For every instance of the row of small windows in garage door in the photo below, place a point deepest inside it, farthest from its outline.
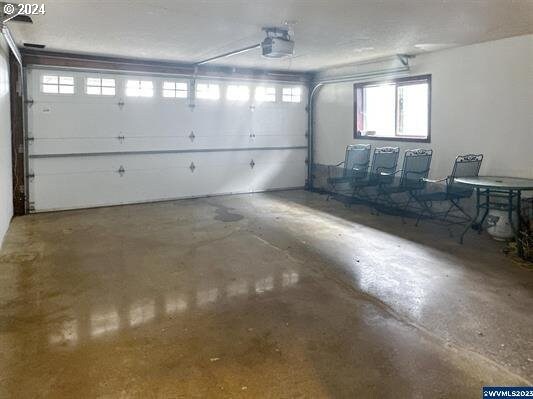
(59, 84)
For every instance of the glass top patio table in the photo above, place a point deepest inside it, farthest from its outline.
(497, 182)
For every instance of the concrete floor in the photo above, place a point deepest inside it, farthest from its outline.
(275, 295)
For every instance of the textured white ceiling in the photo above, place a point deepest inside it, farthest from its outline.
(327, 32)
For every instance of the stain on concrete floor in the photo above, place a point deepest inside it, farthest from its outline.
(299, 298)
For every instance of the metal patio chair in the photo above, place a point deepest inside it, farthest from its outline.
(411, 180)
(464, 166)
(384, 163)
(354, 167)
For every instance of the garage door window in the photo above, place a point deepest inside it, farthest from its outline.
(140, 88)
(265, 94)
(54, 84)
(208, 91)
(292, 94)
(100, 87)
(174, 89)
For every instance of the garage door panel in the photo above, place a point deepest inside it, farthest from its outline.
(211, 119)
(62, 120)
(234, 147)
(74, 182)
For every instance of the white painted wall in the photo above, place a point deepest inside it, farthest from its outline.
(6, 192)
(482, 102)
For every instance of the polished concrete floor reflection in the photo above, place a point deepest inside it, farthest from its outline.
(277, 295)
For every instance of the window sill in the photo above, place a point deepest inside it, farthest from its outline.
(357, 135)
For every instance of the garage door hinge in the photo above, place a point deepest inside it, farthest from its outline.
(30, 140)
(192, 167)
(120, 104)
(28, 102)
(31, 176)
(306, 160)
(192, 136)
(307, 133)
(121, 138)
(121, 171)
(252, 164)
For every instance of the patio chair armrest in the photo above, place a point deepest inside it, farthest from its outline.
(390, 173)
(436, 180)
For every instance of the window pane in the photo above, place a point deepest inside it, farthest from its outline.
(413, 110)
(66, 89)
(93, 90)
(146, 85)
(291, 94)
(93, 81)
(181, 94)
(379, 106)
(66, 80)
(50, 88)
(50, 79)
(169, 85)
(108, 82)
(265, 94)
(181, 86)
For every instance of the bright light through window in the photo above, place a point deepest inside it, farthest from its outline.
(238, 93)
(265, 94)
(100, 87)
(140, 88)
(175, 89)
(379, 110)
(54, 84)
(397, 109)
(292, 94)
(209, 91)
(412, 112)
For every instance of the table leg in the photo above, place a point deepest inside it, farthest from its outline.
(487, 206)
(474, 219)
(519, 247)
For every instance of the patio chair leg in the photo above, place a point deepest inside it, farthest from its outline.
(404, 210)
(425, 209)
(466, 215)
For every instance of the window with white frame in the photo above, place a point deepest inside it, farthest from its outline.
(292, 94)
(208, 91)
(140, 88)
(396, 109)
(100, 86)
(265, 94)
(173, 89)
(238, 93)
(55, 84)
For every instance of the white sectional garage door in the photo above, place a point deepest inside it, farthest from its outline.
(90, 150)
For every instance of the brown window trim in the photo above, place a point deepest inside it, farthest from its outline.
(357, 96)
